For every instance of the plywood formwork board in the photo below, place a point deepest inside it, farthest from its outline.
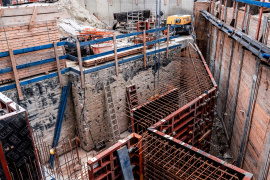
(232, 82)
(260, 127)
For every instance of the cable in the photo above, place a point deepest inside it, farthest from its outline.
(155, 66)
(159, 41)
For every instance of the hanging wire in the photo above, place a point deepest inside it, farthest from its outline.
(159, 41)
(155, 66)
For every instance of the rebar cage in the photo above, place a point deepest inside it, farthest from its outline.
(183, 106)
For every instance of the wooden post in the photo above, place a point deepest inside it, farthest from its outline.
(165, 2)
(1, 12)
(136, 2)
(111, 2)
(115, 54)
(16, 76)
(58, 64)
(168, 40)
(33, 18)
(178, 2)
(144, 49)
(259, 23)
(80, 63)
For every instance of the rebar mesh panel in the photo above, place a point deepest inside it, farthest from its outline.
(165, 159)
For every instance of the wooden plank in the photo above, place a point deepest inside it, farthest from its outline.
(16, 20)
(17, 81)
(23, 11)
(80, 63)
(33, 18)
(1, 12)
(115, 54)
(99, 60)
(25, 26)
(144, 49)
(58, 64)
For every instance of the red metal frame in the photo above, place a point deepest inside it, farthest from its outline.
(106, 166)
(142, 23)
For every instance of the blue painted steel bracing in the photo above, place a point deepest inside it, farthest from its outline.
(60, 118)
(31, 49)
(32, 64)
(255, 3)
(257, 48)
(125, 164)
(37, 79)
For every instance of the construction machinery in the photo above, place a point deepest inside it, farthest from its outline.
(183, 20)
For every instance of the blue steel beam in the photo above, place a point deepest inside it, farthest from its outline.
(255, 3)
(22, 66)
(31, 49)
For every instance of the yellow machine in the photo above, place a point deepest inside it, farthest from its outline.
(183, 20)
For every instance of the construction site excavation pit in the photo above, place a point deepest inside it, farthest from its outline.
(134, 89)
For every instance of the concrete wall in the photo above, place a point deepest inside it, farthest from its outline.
(260, 127)
(104, 10)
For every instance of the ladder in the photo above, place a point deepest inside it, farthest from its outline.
(111, 115)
